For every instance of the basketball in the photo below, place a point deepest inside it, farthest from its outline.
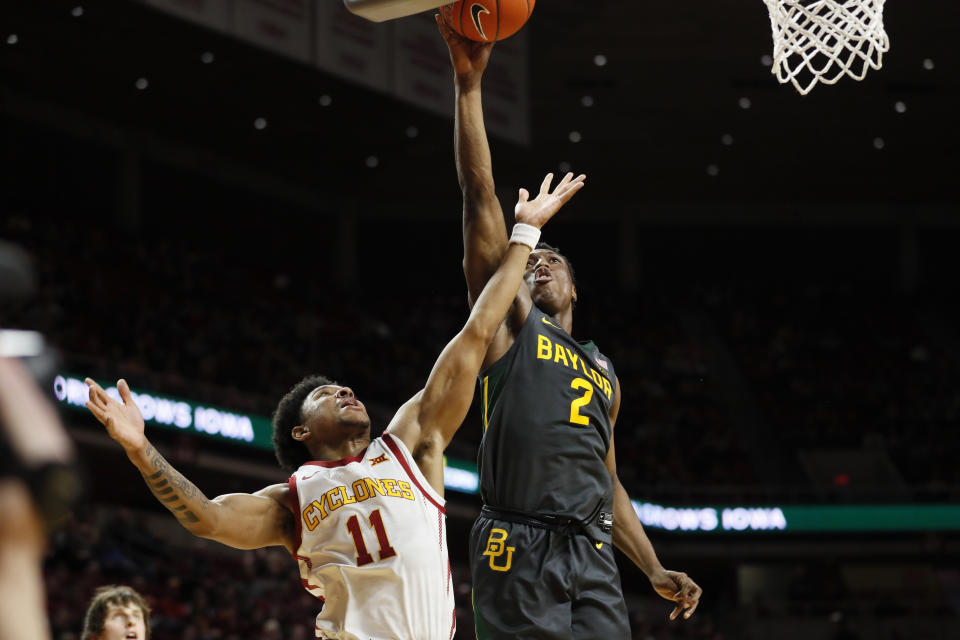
(487, 20)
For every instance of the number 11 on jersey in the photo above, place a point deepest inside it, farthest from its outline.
(376, 521)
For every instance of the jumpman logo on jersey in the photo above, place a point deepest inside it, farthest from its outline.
(381, 458)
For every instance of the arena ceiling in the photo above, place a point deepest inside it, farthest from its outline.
(684, 110)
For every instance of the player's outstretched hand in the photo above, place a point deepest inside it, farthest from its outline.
(469, 58)
(680, 588)
(538, 211)
(123, 421)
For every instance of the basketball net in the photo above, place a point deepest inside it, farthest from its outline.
(823, 40)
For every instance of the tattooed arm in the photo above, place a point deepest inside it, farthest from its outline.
(240, 520)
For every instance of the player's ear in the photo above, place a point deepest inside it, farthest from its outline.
(300, 433)
(574, 296)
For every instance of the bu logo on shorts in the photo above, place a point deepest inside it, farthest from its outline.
(496, 547)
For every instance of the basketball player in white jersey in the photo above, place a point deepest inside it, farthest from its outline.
(364, 520)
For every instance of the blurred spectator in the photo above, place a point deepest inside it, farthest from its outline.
(116, 612)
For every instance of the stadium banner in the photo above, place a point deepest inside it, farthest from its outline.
(190, 417)
(800, 518)
(353, 48)
(406, 58)
(209, 13)
(421, 65)
(283, 26)
(506, 101)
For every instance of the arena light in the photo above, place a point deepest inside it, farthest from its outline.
(460, 476)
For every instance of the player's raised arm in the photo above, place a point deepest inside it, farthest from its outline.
(240, 520)
(484, 229)
(434, 416)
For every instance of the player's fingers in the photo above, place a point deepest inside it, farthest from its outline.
(97, 412)
(567, 182)
(566, 179)
(92, 385)
(690, 609)
(545, 186)
(689, 590)
(682, 581)
(124, 390)
(675, 612)
(97, 395)
(569, 190)
(524, 195)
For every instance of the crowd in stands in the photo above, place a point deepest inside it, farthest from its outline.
(199, 325)
(844, 367)
(200, 590)
(826, 365)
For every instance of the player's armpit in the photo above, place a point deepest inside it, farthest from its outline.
(405, 424)
(426, 447)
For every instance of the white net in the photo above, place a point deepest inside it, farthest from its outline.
(824, 40)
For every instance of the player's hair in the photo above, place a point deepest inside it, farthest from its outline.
(116, 594)
(556, 250)
(289, 413)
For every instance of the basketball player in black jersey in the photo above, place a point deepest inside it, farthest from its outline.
(319, 420)
(541, 552)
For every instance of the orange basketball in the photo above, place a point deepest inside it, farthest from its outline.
(487, 20)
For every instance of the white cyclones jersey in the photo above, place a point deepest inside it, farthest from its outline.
(373, 546)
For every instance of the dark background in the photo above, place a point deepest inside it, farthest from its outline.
(784, 324)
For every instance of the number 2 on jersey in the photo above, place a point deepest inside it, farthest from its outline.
(376, 521)
(582, 401)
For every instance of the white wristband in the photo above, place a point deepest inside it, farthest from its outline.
(525, 234)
